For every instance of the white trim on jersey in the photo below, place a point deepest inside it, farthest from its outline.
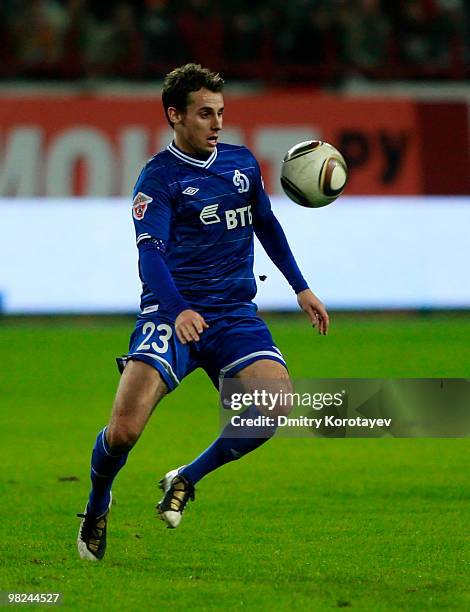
(149, 309)
(200, 163)
(228, 367)
(141, 237)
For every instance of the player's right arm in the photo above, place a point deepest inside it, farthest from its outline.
(152, 220)
(189, 324)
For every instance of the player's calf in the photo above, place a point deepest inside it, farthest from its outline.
(140, 389)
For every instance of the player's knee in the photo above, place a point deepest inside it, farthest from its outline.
(283, 393)
(122, 437)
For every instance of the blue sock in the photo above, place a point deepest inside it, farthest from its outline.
(227, 448)
(104, 467)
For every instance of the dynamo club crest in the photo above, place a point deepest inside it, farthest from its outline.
(241, 181)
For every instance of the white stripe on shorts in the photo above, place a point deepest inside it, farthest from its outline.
(164, 362)
(228, 367)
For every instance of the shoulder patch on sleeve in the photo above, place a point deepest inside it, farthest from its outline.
(139, 205)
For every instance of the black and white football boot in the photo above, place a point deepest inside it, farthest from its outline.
(177, 490)
(91, 540)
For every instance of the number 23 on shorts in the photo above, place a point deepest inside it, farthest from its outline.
(156, 337)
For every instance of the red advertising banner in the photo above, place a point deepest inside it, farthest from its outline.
(95, 145)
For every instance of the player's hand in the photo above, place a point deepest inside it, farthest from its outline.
(315, 310)
(189, 326)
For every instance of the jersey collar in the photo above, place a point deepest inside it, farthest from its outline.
(200, 163)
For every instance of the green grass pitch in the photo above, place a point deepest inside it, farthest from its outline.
(314, 524)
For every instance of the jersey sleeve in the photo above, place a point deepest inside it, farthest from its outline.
(261, 202)
(151, 210)
(271, 235)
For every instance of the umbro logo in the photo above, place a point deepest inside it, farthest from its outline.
(191, 190)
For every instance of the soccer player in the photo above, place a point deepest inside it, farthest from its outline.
(197, 205)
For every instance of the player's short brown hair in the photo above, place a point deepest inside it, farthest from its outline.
(180, 82)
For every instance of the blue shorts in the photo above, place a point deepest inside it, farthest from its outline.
(231, 343)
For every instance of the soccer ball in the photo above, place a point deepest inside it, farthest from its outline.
(313, 173)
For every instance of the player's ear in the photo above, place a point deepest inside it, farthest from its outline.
(174, 115)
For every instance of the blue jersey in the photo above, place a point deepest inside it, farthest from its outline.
(202, 212)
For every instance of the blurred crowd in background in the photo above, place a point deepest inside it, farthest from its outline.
(320, 41)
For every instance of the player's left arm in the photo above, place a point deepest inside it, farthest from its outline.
(273, 239)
